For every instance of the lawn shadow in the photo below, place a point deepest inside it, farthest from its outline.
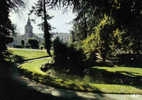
(75, 95)
(17, 59)
(21, 59)
(130, 60)
(118, 77)
(11, 89)
(36, 58)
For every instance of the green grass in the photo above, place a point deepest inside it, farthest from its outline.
(34, 66)
(123, 70)
(76, 83)
(61, 80)
(121, 89)
(28, 54)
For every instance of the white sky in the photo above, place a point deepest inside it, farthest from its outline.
(60, 20)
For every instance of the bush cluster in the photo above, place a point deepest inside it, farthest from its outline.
(68, 57)
(34, 44)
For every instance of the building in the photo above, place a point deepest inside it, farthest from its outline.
(28, 35)
(64, 37)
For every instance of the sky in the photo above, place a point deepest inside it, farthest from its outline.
(61, 21)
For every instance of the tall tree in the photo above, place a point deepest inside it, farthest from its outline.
(126, 14)
(40, 10)
(6, 26)
(46, 30)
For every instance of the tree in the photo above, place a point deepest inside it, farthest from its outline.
(40, 10)
(23, 43)
(126, 13)
(6, 26)
(124, 16)
(104, 40)
(68, 57)
(34, 44)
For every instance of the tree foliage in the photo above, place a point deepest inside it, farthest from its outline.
(105, 25)
(34, 44)
(68, 57)
(123, 32)
(23, 43)
(6, 26)
(40, 10)
(105, 39)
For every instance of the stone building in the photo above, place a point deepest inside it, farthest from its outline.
(28, 34)
(64, 37)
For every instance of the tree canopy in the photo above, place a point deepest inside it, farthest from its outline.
(6, 26)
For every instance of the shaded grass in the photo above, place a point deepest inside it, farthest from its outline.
(101, 79)
(28, 53)
(124, 70)
(72, 82)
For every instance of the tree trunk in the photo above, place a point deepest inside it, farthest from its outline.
(46, 30)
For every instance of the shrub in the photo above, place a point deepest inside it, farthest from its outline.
(89, 51)
(17, 46)
(67, 57)
(33, 43)
(23, 43)
(130, 59)
(41, 47)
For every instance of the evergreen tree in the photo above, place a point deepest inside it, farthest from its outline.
(40, 10)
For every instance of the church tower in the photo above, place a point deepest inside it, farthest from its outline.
(29, 29)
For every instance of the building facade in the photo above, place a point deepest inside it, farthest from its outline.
(27, 35)
(64, 37)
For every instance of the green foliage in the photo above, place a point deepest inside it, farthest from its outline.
(23, 43)
(33, 43)
(68, 57)
(104, 40)
(6, 26)
(126, 14)
(40, 9)
(41, 47)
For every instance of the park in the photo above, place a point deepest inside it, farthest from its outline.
(99, 59)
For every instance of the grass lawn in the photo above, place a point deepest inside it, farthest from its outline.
(130, 71)
(83, 84)
(28, 53)
(34, 66)
(102, 79)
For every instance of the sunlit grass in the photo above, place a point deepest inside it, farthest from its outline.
(123, 70)
(111, 88)
(34, 66)
(28, 53)
(75, 83)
